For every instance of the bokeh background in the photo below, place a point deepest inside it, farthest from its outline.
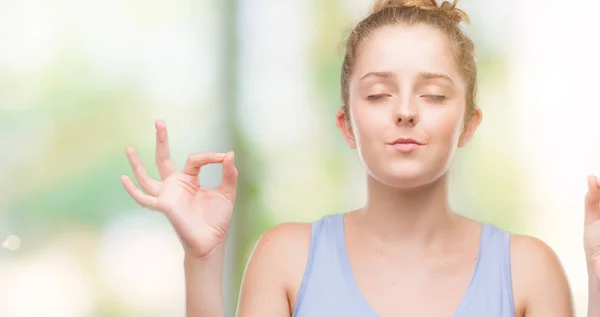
(82, 79)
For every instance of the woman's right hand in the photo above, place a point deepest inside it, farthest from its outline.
(200, 216)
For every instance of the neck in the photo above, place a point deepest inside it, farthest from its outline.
(420, 216)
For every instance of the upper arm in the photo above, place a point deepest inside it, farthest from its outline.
(274, 270)
(540, 285)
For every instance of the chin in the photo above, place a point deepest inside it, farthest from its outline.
(406, 176)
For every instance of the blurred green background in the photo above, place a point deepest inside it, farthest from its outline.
(81, 80)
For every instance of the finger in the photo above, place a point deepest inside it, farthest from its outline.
(592, 200)
(230, 177)
(150, 185)
(144, 200)
(196, 161)
(163, 157)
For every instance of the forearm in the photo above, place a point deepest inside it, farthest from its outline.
(594, 298)
(204, 287)
(593, 294)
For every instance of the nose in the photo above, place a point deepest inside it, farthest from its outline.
(406, 112)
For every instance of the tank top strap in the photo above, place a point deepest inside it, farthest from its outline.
(496, 252)
(492, 283)
(323, 262)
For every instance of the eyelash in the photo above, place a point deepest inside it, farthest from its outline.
(433, 97)
(376, 97)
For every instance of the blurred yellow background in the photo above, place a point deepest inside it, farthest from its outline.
(81, 80)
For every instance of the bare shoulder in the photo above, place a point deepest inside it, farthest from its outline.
(295, 232)
(540, 286)
(284, 242)
(530, 248)
(274, 271)
(532, 260)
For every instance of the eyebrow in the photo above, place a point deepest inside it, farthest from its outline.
(382, 75)
(426, 75)
(422, 75)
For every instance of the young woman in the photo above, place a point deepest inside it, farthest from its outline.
(408, 90)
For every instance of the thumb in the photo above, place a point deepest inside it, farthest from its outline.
(592, 200)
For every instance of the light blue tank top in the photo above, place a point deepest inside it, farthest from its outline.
(328, 288)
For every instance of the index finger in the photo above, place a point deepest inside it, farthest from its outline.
(163, 156)
(196, 161)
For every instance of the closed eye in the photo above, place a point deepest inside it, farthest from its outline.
(435, 97)
(376, 97)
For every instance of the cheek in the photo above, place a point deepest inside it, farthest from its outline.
(367, 126)
(444, 126)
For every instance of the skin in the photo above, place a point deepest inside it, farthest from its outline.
(405, 84)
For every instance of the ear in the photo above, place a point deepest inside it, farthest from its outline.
(470, 127)
(343, 122)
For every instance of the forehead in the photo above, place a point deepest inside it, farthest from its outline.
(406, 50)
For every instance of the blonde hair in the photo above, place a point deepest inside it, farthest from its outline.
(446, 17)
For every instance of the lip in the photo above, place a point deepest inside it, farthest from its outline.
(406, 141)
(406, 145)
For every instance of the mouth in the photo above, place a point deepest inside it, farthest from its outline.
(406, 145)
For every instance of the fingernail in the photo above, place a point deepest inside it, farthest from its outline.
(597, 180)
(221, 155)
(232, 156)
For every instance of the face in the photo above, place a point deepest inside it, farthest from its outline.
(406, 105)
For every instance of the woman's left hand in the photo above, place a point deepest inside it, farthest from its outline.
(592, 228)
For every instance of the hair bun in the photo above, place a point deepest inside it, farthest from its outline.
(447, 8)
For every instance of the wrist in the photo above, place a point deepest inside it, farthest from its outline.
(216, 255)
(205, 270)
(592, 265)
(590, 262)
